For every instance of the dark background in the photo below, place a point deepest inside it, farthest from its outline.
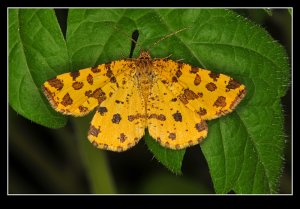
(43, 160)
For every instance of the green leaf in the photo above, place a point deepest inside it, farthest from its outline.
(268, 11)
(37, 52)
(244, 149)
(172, 159)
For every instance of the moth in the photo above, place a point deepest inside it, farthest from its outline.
(170, 98)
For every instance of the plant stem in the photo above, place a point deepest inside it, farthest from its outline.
(94, 160)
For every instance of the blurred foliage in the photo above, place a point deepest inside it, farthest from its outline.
(43, 160)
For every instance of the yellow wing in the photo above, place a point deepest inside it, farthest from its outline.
(209, 94)
(77, 93)
(119, 122)
(171, 123)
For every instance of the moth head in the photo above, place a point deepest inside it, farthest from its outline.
(145, 55)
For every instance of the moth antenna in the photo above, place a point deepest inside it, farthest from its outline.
(124, 33)
(166, 36)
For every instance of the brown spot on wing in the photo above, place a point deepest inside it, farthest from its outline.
(220, 102)
(187, 95)
(164, 81)
(202, 111)
(158, 117)
(102, 110)
(113, 79)
(179, 66)
(131, 118)
(214, 76)
(97, 94)
(197, 80)
(177, 117)
(77, 85)
(190, 95)
(122, 137)
(211, 86)
(95, 70)
(201, 126)
(233, 84)
(82, 108)
(161, 117)
(174, 79)
(109, 73)
(94, 131)
(178, 73)
(67, 100)
(116, 118)
(56, 83)
(194, 70)
(172, 136)
(119, 102)
(88, 93)
(183, 99)
(74, 75)
(137, 116)
(222, 112)
(90, 79)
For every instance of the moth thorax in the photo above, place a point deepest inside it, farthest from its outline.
(144, 63)
(145, 55)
